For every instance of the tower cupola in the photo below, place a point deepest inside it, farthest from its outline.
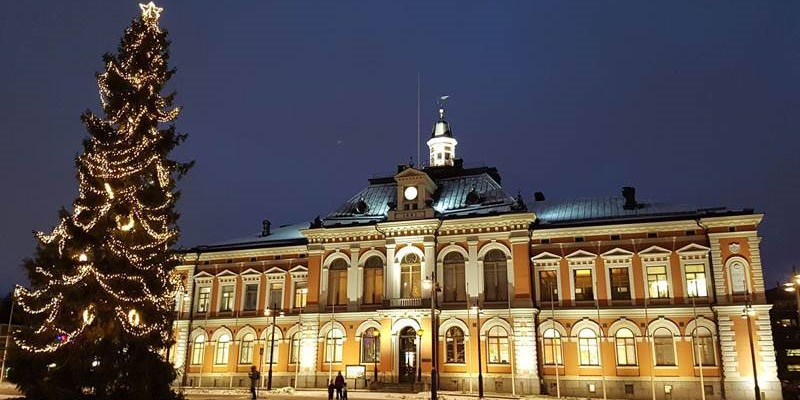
(442, 145)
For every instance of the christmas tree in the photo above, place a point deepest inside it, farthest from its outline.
(99, 309)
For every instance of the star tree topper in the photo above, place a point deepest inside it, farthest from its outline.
(150, 12)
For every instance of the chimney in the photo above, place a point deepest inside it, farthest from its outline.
(538, 196)
(629, 194)
(265, 227)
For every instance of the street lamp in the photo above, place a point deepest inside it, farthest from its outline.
(748, 312)
(274, 312)
(433, 286)
(480, 368)
(420, 332)
(376, 335)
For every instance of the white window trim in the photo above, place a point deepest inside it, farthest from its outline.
(662, 322)
(249, 277)
(226, 278)
(582, 260)
(747, 275)
(702, 322)
(547, 262)
(486, 248)
(202, 280)
(323, 286)
(694, 254)
(656, 256)
(299, 274)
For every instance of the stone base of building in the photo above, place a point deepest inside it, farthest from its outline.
(743, 390)
(638, 388)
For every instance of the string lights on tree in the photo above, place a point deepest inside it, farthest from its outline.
(102, 282)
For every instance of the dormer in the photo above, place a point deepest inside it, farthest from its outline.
(415, 191)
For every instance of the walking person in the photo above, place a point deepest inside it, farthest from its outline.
(344, 391)
(339, 383)
(254, 376)
(331, 388)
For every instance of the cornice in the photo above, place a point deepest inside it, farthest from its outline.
(269, 251)
(616, 229)
(734, 220)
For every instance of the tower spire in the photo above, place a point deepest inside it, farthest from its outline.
(442, 145)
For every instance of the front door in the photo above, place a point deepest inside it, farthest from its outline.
(408, 354)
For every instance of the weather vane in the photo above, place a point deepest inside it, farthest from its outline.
(442, 100)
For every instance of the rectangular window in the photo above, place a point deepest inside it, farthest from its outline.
(551, 348)
(793, 352)
(198, 347)
(246, 352)
(657, 284)
(373, 285)
(548, 285)
(203, 299)
(226, 300)
(300, 294)
(250, 296)
(665, 351)
(275, 295)
(583, 284)
(793, 367)
(620, 284)
(696, 280)
(337, 287)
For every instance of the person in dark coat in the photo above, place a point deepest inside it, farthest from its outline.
(254, 376)
(331, 388)
(344, 391)
(339, 385)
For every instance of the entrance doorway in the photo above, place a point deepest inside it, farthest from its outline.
(408, 354)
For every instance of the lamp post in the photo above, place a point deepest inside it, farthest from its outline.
(274, 312)
(420, 332)
(480, 368)
(376, 335)
(434, 287)
(748, 312)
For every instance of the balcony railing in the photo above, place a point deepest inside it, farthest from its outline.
(405, 303)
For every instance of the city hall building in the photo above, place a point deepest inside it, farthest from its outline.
(439, 266)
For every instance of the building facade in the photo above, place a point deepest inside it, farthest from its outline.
(785, 322)
(438, 266)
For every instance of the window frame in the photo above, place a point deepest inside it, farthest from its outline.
(337, 267)
(377, 272)
(589, 347)
(696, 346)
(656, 348)
(198, 347)
(335, 343)
(498, 343)
(454, 267)
(411, 270)
(222, 350)
(493, 266)
(455, 348)
(666, 280)
(374, 346)
(227, 304)
(628, 346)
(242, 347)
(549, 342)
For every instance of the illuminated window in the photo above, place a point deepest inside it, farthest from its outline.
(793, 352)
(696, 280)
(226, 300)
(704, 347)
(455, 282)
(275, 347)
(203, 299)
(626, 347)
(793, 367)
(373, 280)
(495, 276)
(497, 345)
(454, 341)
(223, 348)
(548, 285)
(198, 348)
(294, 351)
(370, 346)
(551, 345)
(620, 284)
(664, 347)
(410, 277)
(246, 349)
(337, 283)
(657, 284)
(583, 284)
(588, 350)
(300, 294)
(333, 346)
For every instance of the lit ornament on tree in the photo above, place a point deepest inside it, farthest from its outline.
(102, 282)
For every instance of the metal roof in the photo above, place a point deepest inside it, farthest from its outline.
(285, 235)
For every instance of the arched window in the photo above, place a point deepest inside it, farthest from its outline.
(454, 340)
(223, 349)
(497, 345)
(738, 276)
(551, 345)
(370, 346)
(410, 277)
(337, 283)
(664, 347)
(454, 278)
(333, 346)
(246, 349)
(275, 347)
(626, 347)
(495, 276)
(373, 280)
(198, 349)
(588, 351)
(294, 351)
(704, 347)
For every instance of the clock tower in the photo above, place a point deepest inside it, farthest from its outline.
(415, 191)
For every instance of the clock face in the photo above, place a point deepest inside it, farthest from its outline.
(410, 193)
